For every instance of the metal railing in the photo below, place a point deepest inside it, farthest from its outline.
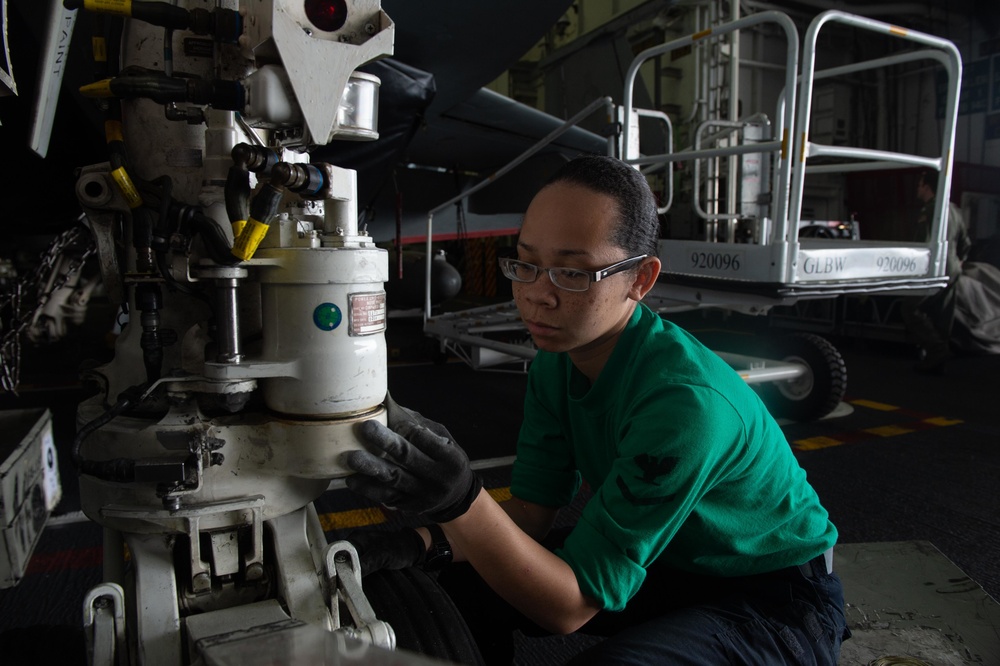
(946, 53)
(779, 145)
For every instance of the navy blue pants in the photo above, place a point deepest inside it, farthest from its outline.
(791, 616)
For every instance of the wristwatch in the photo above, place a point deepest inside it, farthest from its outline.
(439, 554)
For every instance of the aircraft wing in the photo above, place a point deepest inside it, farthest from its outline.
(441, 130)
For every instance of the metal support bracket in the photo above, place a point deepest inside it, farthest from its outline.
(192, 521)
(343, 570)
(104, 625)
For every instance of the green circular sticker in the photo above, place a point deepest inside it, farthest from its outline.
(327, 316)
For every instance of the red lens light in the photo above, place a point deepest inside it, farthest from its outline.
(327, 15)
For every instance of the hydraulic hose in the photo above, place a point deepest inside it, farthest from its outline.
(224, 25)
(218, 93)
(263, 208)
(118, 469)
(149, 301)
(216, 242)
(237, 196)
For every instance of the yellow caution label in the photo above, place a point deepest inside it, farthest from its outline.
(117, 7)
(127, 188)
(113, 131)
(248, 240)
(899, 32)
(701, 35)
(238, 226)
(97, 89)
(99, 49)
(784, 143)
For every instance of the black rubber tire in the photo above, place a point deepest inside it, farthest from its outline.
(422, 615)
(817, 393)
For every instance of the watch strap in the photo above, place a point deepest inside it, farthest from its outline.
(439, 553)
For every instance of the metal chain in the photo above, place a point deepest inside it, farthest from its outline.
(16, 320)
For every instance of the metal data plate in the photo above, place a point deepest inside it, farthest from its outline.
(367, 313)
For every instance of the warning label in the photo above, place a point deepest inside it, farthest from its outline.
(367, 313)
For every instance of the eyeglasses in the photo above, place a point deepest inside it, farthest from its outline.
(570, 279)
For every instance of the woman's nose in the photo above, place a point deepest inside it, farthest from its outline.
(541, 291)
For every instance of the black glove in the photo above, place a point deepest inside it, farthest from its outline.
(397, 415)
(423, 472)
(380, 549)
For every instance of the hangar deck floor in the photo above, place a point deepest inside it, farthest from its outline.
(907, 467)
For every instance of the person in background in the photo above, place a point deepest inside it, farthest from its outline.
(702, 543)
(929, 319)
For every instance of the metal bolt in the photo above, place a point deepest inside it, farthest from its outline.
(201, 582)
(370, 28)
(172, 503)
(255, 571)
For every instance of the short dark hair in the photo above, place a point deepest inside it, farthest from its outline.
(638, 227)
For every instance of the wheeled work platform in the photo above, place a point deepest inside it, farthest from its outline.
(751, 257)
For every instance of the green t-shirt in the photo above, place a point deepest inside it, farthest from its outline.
(685, 463)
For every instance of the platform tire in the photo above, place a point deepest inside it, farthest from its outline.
(814, 395)
(422, 615)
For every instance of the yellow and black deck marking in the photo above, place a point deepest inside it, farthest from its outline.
(911, 421)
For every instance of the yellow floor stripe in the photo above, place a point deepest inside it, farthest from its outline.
(889, 430)
(919, 423)
(813, 443)
(871, 404)
(942, 421)
(499, 494)
(341, 520)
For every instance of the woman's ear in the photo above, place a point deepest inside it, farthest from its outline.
(645, 278)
